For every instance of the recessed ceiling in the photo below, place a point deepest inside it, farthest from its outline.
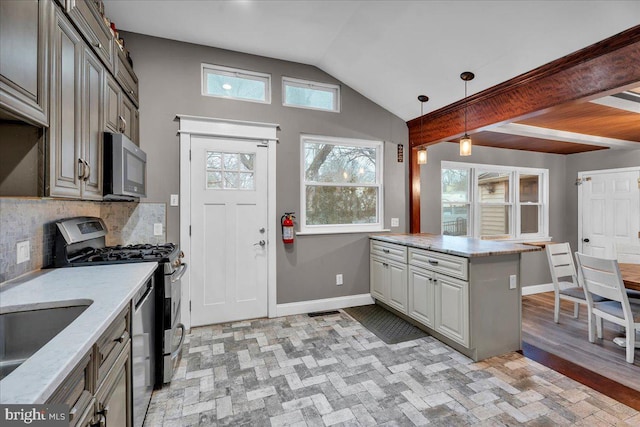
(390, 51)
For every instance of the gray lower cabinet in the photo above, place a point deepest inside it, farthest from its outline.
(389, 282)
(76, 117)
(421, 295)
(451, 298)
(24, 34)
(98, 390)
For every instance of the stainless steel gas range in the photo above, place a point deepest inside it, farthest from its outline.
(156, 322)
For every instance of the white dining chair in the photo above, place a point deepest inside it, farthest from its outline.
(602, 277)
(565, 281)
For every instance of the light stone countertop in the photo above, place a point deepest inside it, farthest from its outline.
(455, 245)
(109, 287)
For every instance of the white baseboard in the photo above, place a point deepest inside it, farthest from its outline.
(537, 289)
(325, 304)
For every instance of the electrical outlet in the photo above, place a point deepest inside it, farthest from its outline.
(338, 279)
(395, 222)
(23, 253)
(175, 200)
(513, 281)
(157, 229)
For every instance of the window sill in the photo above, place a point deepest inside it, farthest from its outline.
(319, 233)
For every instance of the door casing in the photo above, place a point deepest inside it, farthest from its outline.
(259, 132)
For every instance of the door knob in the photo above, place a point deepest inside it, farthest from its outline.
(262, 230)
(585, 240)
(261, 243)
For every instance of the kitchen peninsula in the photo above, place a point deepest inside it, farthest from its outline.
(464, 291)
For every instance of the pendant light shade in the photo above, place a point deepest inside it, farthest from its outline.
(465, 141)
(422, 156)
(422, 152)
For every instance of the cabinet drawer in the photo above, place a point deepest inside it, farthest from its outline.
(110, 344)
(125, 76)
(76, 390)
(450, 265)
(93, 28)
(389, 251)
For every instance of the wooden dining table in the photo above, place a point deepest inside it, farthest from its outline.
(630, 275)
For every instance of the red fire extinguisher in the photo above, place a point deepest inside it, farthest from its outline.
(287, 227)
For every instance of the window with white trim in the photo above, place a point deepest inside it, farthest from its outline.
(313, 95)
(234, 83)
(494, 202)
(341, 185)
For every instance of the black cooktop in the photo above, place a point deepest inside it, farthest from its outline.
(123, 254)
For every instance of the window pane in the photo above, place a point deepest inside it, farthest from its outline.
(308, 97)
(246, 181)
(230, 161)
(340, 164)
(214, 160)
(493, 187)
(246, 162)
(494, 221)
(529, 218)
(230, 180)
(236, 87)
(214, 180)
(529, 185)
(455, 185)
(341, 205)
(455, 219)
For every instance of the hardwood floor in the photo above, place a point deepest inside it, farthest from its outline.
(569, 340)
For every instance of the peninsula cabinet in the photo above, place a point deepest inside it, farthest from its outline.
(24, 35)
(76, 117)
(388, 272)
(462, 291)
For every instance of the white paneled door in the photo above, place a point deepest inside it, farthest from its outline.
(228, 230)
(610, 211)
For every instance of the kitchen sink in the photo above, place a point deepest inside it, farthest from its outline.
(26, 329)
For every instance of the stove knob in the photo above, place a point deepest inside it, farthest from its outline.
(176, 263)
(181, 255)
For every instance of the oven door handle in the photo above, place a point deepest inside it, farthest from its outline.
(179, 272)
(176, 352)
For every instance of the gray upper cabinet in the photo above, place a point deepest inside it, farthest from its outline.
(65, 167)
(112, 101)
(126, 77)
(24, 33)
(77, 115)
(129, 119)
(84, 14)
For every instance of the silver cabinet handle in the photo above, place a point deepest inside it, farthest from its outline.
(97, 44)
(261, 243)
(81, 170)
(88, 170)
(386, 251)
(123, 128)
(131, 92)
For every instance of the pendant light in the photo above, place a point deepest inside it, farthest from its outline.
(465, 141)
(422, 152)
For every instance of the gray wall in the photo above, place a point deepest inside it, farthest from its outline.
(169, 74)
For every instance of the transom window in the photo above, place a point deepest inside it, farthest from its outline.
(230, 171)
(341, 185)
(308, 94)
(494, 202)
(234, 83)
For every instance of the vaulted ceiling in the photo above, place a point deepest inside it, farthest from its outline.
(391, 51)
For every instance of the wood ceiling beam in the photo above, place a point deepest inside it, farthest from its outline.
(603, 68)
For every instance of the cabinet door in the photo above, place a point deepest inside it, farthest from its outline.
(23, 60)
(112, 104)
(127, 115)
(65, 168)
(114, 394)
(92, 125)
(421, 295)
(452, 308)
(379, 279)
(397, 274)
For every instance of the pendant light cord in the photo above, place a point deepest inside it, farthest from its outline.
(465, 107)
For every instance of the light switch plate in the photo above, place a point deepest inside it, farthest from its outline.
(513, 281)
(338, 279)
(157, 229)
(23, 252)
(175, 200)
(395, 222)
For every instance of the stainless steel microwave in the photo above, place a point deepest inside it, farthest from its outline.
(125, 168)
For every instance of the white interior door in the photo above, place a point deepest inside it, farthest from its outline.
(229, 230)
(610, 211)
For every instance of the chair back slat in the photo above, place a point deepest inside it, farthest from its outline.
(601, 277)
(561, 262)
